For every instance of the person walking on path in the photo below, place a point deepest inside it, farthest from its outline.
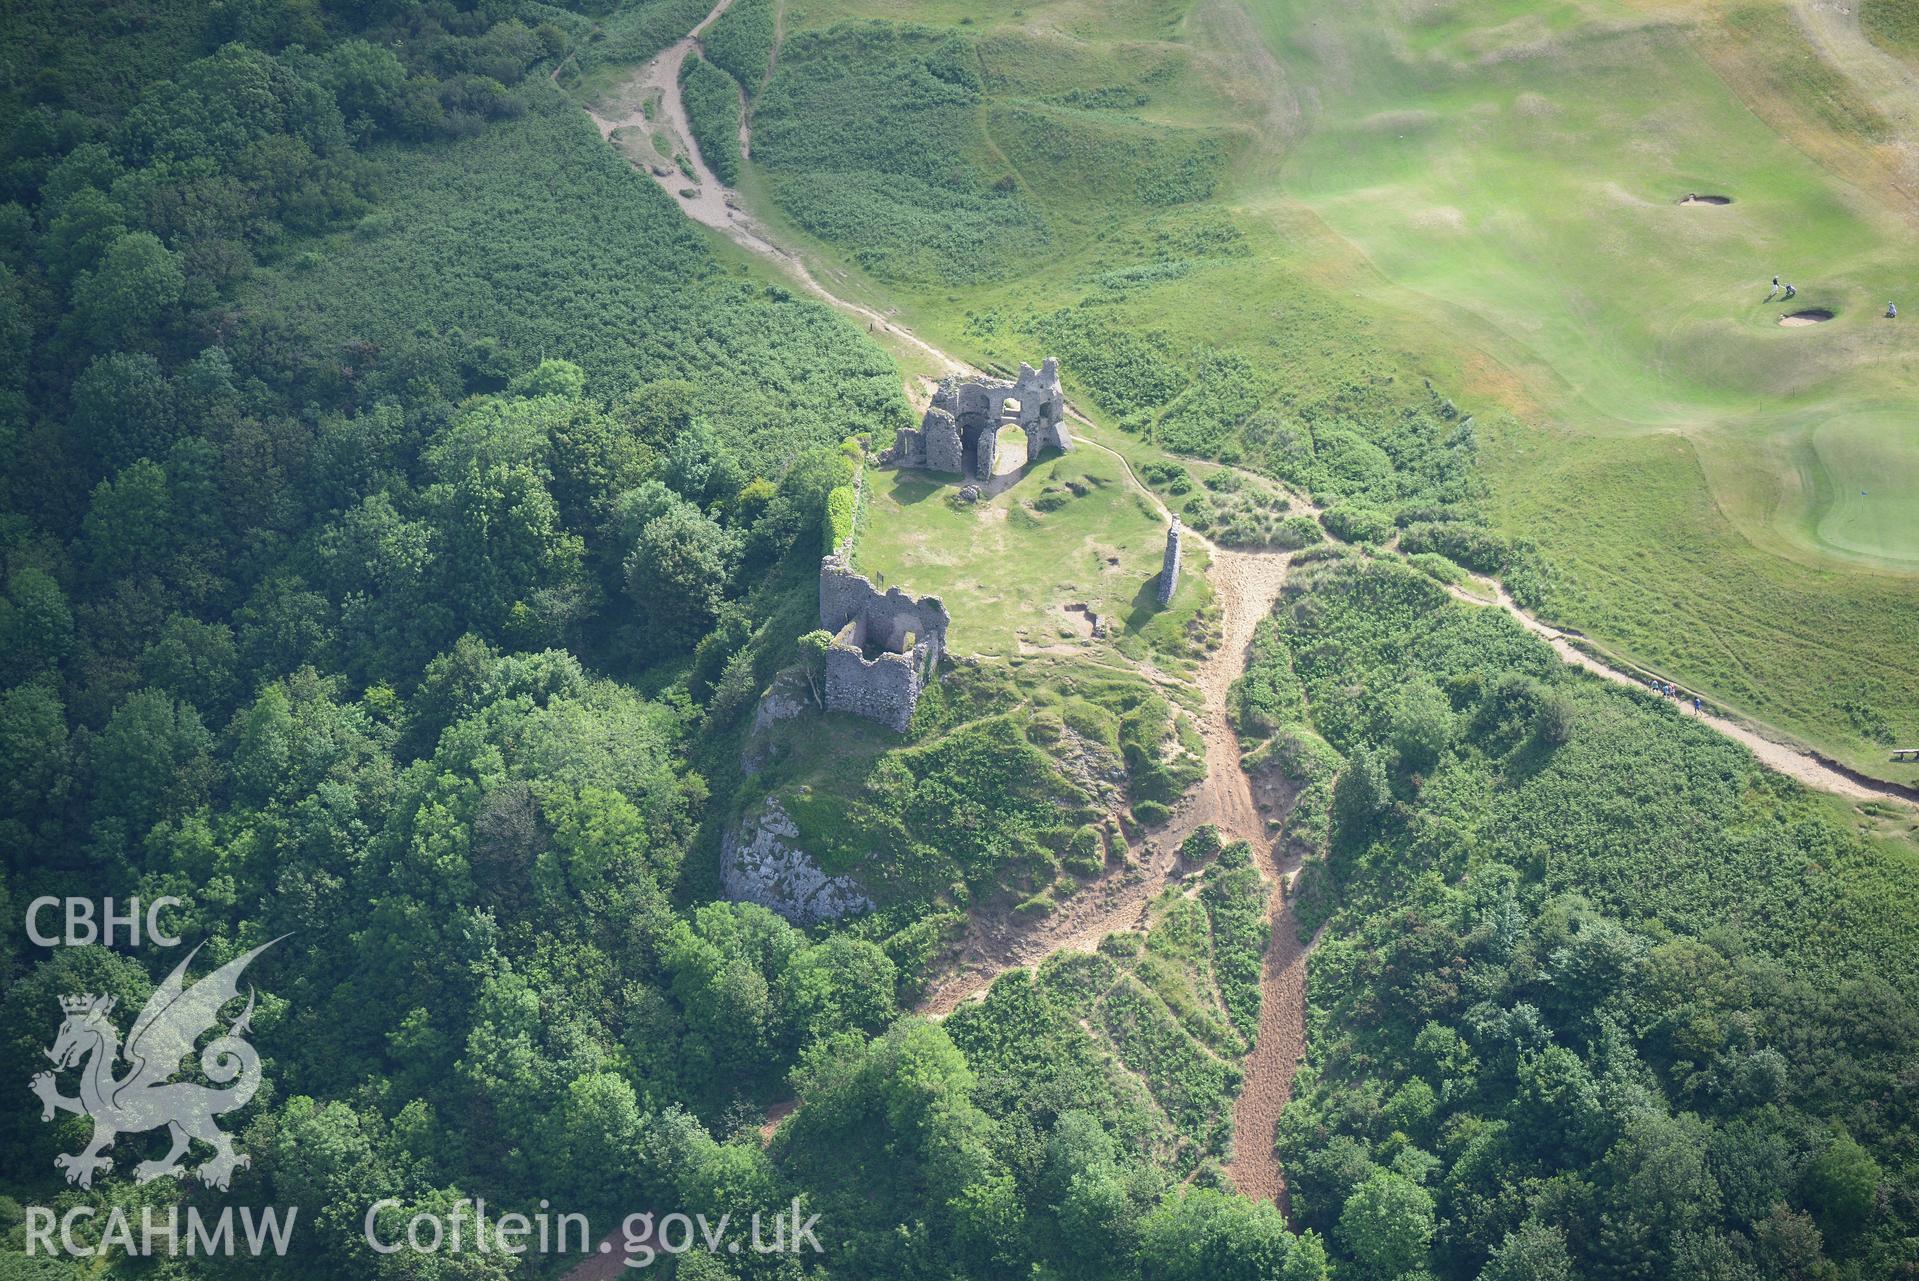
(1697, 706)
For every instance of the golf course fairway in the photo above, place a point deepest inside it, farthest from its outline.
(1517, 175)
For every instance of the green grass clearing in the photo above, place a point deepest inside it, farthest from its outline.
(1071, 531)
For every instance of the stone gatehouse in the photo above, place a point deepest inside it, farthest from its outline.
(960, 432)
(886, 645)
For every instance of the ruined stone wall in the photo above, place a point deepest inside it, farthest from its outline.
(886, 645)
(1042, 407)
(846, 596)
(934, 444)
(884, 689)
(1169, 568)
(960, 430)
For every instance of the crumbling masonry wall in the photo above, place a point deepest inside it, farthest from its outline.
(886, 645)
(960, 431)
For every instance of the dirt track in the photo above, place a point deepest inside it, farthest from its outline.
(1793, 762)
(1248, 583)
(711, 203)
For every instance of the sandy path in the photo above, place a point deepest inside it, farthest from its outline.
(1794, 762)
(711, 203)
(1248, 583)
(997, 945)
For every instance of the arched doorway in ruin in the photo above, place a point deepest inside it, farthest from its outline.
(995, 444)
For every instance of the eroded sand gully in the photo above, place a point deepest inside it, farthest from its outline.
(1247, 584)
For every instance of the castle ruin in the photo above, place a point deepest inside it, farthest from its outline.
(886, 645)
(960, 431)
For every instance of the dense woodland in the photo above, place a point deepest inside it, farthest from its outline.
(404, 511)
(1600, 997)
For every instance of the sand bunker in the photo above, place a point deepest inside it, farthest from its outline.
(1817, 316)
(1707, 200)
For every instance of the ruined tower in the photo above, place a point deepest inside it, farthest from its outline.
(886, 645)
(1169, 568)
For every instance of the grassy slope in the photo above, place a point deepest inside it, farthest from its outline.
(1730, 500)
(1643, 811)
(1632, 807)
(1893, 25)
(1097, 169)
(1166, 1020)
(1005, 766)
(540, 211)
(1487, 195)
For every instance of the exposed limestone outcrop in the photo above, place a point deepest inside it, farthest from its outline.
(761, 862)
(783, 700)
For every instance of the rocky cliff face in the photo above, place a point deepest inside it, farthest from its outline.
(761, 862)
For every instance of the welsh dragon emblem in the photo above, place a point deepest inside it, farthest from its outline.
(147, 1097)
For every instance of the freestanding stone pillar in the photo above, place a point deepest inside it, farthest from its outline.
(1169, 568)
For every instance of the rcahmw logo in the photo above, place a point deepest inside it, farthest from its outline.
(143, 1096)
